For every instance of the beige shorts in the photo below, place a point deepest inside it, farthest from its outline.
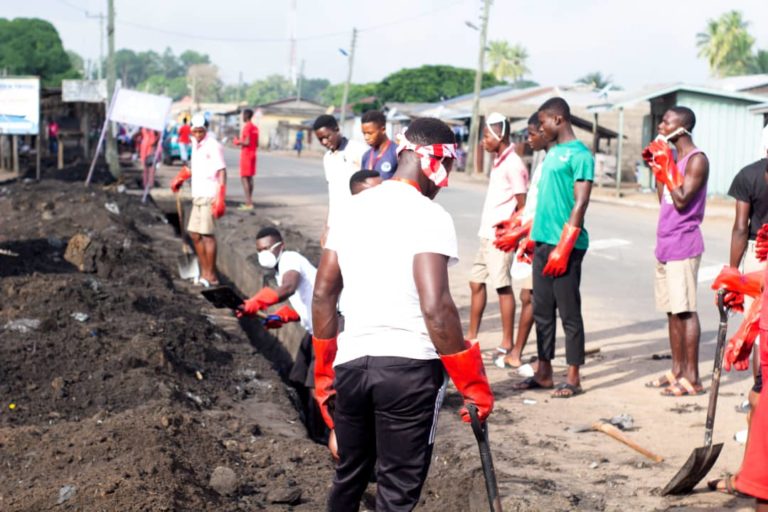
(675, 285)
(491, 265)
(525, 283)
(750, 263)
(201, 216)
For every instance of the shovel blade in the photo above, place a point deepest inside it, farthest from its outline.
(695, 468)
(188, 267)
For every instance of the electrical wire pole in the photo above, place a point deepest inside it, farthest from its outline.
(114, 165)
(473, 125)
(345, 96)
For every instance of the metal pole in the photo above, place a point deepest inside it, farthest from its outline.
(473, 124)
(15, 154)
(345, 96)
(299, 82)
(114, 165)
(618, 152)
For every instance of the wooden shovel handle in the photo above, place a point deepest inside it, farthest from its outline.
(607, 428)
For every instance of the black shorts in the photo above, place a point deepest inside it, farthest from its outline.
(758, 387)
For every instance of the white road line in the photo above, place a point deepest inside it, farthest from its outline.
(608, 243)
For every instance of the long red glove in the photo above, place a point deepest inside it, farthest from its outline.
(219, 205)
(761, 243)
(467, 372)
(236, 140)
(525, 251)
(261, 301)
(325, 395)
(508, 241)
(557, 263)
(737, 286)
(180, 178)
(659, 156)
(739, 347)
(282, 316)
(504, 226)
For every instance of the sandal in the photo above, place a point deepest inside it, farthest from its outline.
(528, 384)
(501, 359)
(565, 390)
(729, 486)
(683, 387)
(666, 380)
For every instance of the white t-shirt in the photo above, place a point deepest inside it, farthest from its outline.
(509, 177)
(301, 300)
(207, 159)
(339, 166)
(376, 237)
(533, 194)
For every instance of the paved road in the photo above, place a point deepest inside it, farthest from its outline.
(617, 281)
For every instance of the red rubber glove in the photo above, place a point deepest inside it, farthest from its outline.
(761, 243)
(236, 140)
(737, 286)
(659, 156)
(467, 372)
(512, 222)
(180, 178)
(508, 241)
(259, 302)
(739, 347)
(557, 263)
(282, 316)
(525, 251)
(325, 353)
(219, 205)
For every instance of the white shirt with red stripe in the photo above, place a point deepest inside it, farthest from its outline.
(509, 177)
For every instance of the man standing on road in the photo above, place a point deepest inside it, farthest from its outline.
(682, 187)
(382, 156)
(400, 323)
(561, 242)
(184, 140)
(340, 162)
(209, 190)
(249, 144)
(507, 187)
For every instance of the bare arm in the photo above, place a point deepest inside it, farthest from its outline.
(291, 281)
(696, 174)
(430, 272)
(328, 286)
(221, 176)
(520, 201)
(581, 192)
(739, 233)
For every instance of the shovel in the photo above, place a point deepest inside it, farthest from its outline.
(481, 434)
(187, 262)
(704, 457)
(610, 430)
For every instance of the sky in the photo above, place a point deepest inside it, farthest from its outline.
(635, 42)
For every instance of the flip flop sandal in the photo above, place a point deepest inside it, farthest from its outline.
(683, 387)
(500, 360)
(730, 486)
(570, 388)
(666, 380)
(528, 384)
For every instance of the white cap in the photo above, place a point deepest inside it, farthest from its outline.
(496, 118)
(198, 121)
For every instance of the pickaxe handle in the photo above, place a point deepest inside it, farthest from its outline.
(607, 428)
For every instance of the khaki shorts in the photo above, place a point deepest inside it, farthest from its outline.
(201, 216)
(675, 285)
(750, 263)
(491, 265)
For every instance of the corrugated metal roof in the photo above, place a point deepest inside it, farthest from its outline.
(649, 94)
(740, 83)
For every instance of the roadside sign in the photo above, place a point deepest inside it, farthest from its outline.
(19, 106)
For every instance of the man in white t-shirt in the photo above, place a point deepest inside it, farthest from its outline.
(209, 190)
(295, 277)
(340, 162)
(381, 385)
(507, 187)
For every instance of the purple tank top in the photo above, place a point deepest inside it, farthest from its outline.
(678, 235)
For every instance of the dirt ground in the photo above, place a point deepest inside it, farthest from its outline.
(155, 401)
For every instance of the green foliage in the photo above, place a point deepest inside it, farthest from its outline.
(727, 45)
(176, 87)
(759, 63)
(76, 61)
(333, 94)
(430, 83)
(598, 81)
(31, 46)
(191, 57)
(272, 88)
(312, 88)
(506, 61)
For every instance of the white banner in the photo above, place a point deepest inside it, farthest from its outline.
(20, 106)
(140, 109)
(84, 91)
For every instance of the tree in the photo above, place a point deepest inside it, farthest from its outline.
(726, 44)
(172, 66)
(204, 82)
(759, 63)
(333, 93)
(430, 83)
(272, 88)
(31, 46)
(76, 61)
(176, 88)
(312, 88)
(507, 62)
(191, 57)
(598, 81)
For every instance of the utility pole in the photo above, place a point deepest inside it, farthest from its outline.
(473, 125)
(292, 51)
(345, 96)
(299, 82)
(114, 165)
(100, 16)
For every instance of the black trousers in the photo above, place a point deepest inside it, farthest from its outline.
(561, 294)
(385, 416)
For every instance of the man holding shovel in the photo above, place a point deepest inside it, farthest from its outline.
(209, 189)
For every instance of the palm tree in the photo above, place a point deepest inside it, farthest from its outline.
(759, 63)
(726, 44)
(506, 61)
(596, 80)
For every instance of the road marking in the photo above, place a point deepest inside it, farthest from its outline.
(709, 273)
(608, 243)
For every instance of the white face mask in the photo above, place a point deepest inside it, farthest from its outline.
(267, 258)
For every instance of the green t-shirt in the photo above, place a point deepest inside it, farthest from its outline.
(564, 165)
